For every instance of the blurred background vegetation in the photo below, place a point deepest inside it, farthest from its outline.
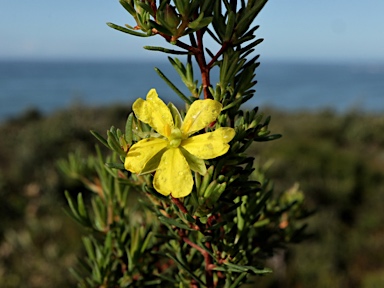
(338, 160)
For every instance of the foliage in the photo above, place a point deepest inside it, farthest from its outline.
(339, 160)
(353, 258)
(137, 237)
(37, 240)
(216, 225)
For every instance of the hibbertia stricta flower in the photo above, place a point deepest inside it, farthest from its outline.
(175, 152)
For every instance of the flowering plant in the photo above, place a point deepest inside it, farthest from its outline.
(204, 214)
(176, 153)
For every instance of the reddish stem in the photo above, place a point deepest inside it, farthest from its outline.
(207, 257)
(207, 260)
(180, 205)
(218, 54)
(208, 267)
(200, 59)
(194, 245)
(182, 208)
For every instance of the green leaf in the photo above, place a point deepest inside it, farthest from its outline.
(148, 238)
(173, 87)
(240, 268)
(230, 26)
(179, 67)
(160, 28)
(267, 138)
(219, 189)
(219, 21)
(165, 50)
(218, 225)
(153, 163)
(196, 164)
(261, 223)
(75, 214)
(98, 209)
(214, 37)
(232, 104)
(174, 222)
(251, 45)
(175, 115)
(206, 239)
(89, 248)
(145, 7)
(131, 10)
(190, 218)
(206, 180)
(119, 166)
(169, 279)
(114, 144)
(210, 189)
(126, 30)
(189, 72)
(186, 268)
(238, 280)
(249, 15)
(161, 17)
(129, 129)
(181, 7)
(81, 207)
(195, 24)
(100, 138)
(203, 23)
(197, 180)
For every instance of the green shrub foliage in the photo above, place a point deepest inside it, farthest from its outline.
(221, 233)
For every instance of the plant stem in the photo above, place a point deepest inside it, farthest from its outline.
(200, 59)
(218, 54)
(207, 260)
(179, 205)
(208, 265)
(199, 226)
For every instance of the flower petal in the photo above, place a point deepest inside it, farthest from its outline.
(173, 176)
(142, 152)
(155, 113)
(209, 145)
(200, 115)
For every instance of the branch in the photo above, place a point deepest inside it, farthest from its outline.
(198, 226)
(218, 54)
(207, 260)
(180, 205)
(194, 245)
(179, 43)
(208, 266)
(200, 59)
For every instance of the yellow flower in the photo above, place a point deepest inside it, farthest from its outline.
(175, 154)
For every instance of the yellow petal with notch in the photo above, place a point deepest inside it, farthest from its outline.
(155, 113)
(173, 176)
(209, 145)
(142, 152)
(200, 115)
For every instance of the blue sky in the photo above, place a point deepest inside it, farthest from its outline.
(298, 30)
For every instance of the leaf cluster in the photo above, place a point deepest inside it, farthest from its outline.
(173, 21)
(156, 241)
(225, 229)
(222, 233)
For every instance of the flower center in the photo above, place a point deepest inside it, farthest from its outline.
(175, 138)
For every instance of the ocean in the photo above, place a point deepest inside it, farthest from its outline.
(50, 86)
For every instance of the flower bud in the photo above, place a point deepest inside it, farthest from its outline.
(171, 17)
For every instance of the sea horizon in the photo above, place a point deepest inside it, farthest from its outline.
(50, 85)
